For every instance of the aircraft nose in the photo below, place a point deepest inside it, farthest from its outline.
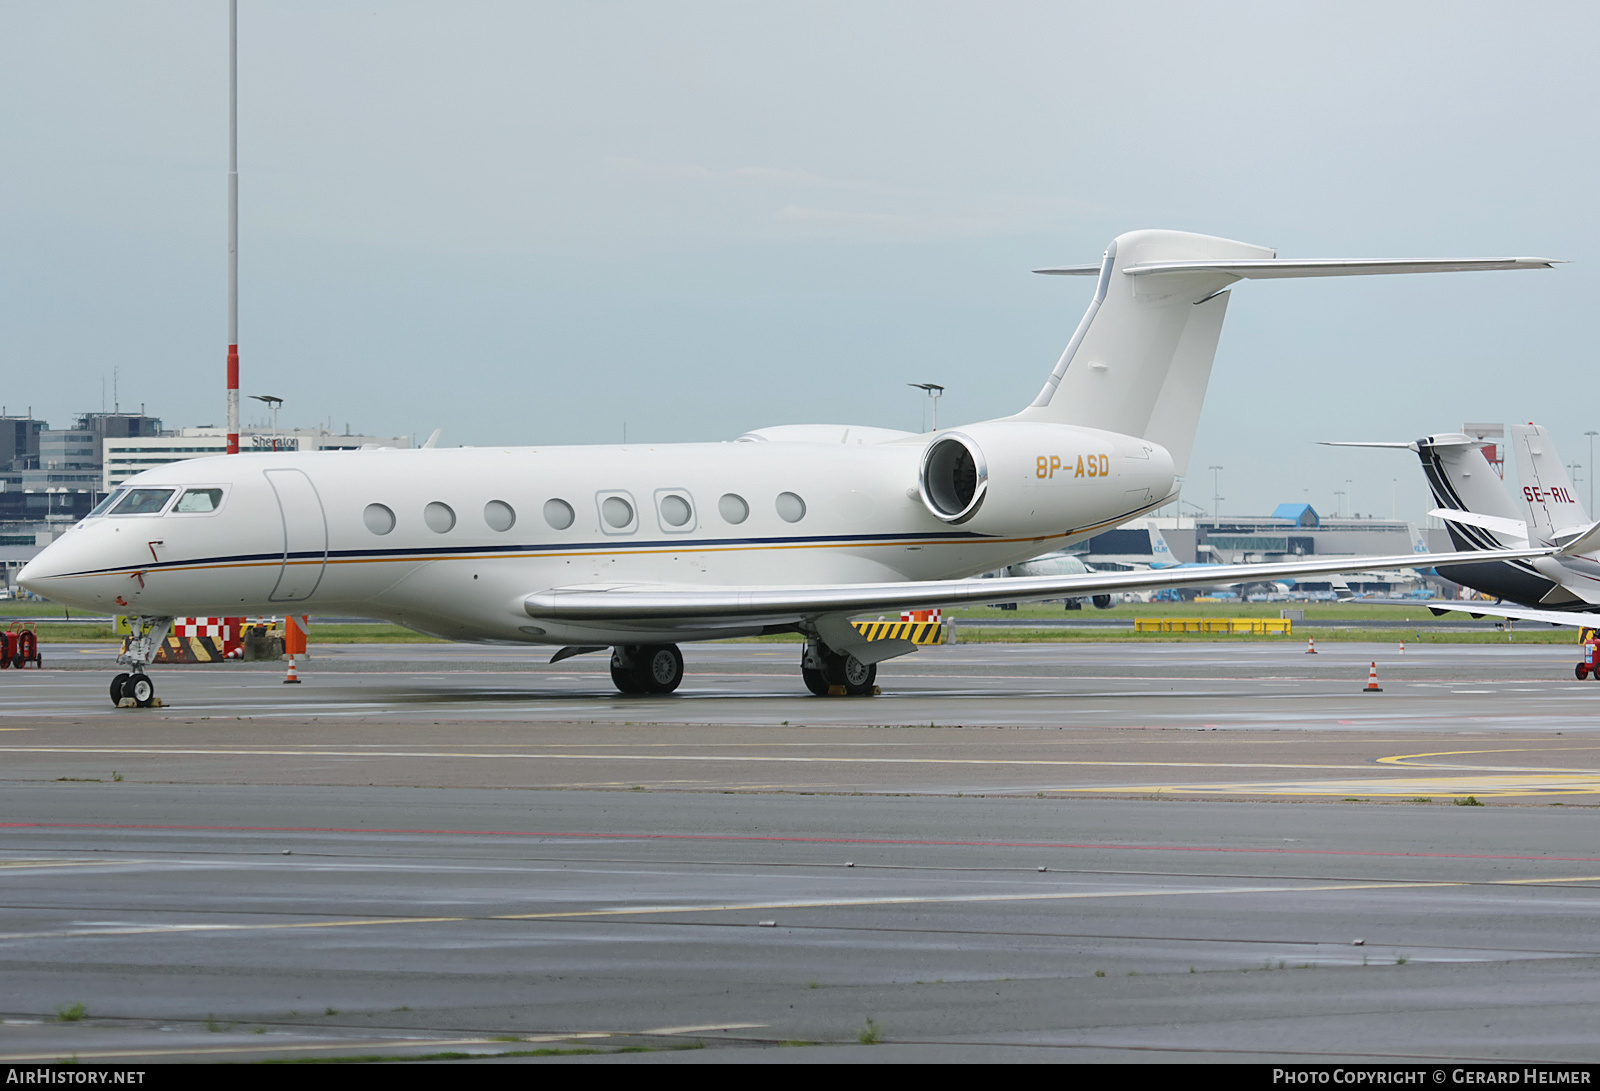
(51, 575)
(39, 574)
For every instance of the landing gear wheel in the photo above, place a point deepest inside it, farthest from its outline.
(116, 686)
(846, 670)
(646, 668)
(141, 689)
(859, 677)
(660, 667)
(815, 681)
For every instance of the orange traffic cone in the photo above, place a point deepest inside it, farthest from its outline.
(1372, 680)
(292, 679)
(1311, 645)
(1402, 647)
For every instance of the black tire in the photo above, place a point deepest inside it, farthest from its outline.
(814, 680)
(660, 667)
(116, 686)
(1581, 670)
(855, 676)
(859, 677)
(625, 674)
(141, 689)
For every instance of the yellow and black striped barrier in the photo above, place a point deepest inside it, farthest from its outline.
(918, 632)
(1258, 625)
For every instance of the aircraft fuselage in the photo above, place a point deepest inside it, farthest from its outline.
(451, 541)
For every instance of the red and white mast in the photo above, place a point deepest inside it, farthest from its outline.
(233, 227)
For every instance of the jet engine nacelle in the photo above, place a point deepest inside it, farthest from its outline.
(1016, 477)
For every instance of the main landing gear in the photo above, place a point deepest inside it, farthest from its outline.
(646, 668)
(830, 673)
(139, 653)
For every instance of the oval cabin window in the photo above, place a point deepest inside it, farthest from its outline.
(616, 511)
(499, 515)
(733, 509)
(379, 519)
(558, 513)
(791, 509)
(675, 511)
(439, 517)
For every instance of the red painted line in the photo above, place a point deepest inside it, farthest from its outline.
(795, 840)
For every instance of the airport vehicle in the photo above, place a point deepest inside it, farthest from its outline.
(1481, 514)
(1057, 563)
(640, 547)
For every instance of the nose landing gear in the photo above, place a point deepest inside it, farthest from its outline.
(134, 689)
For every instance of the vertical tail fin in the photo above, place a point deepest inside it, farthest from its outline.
(1546, 488)
(1160, 550)
(1141, 357)
(1461, 479)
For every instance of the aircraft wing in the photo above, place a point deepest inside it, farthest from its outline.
(787, 605)
(1574, 618)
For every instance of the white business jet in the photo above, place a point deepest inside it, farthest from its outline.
(638, 548)
(1482, 517)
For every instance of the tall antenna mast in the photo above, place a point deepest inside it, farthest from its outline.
(233, 227)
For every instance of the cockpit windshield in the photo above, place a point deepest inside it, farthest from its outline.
(143, 502)
(198, 500)
(105, 505)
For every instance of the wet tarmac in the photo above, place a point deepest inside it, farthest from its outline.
(1217, 852)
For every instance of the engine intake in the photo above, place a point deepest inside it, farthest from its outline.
(954, 478)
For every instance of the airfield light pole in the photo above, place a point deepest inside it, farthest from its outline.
(935, 391)
(233, 227)
(274, 401)
(1591, 436)
(1216, 491)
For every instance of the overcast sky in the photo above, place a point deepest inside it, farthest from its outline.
(542, 223)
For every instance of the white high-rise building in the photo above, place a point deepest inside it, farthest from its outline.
(122, 458)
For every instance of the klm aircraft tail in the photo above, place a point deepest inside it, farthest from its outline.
(1141, 357)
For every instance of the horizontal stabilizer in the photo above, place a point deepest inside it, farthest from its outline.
(1584, 540)
(1071, 270)
(1445, 440)
(1278, 268)
(1513, 528)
